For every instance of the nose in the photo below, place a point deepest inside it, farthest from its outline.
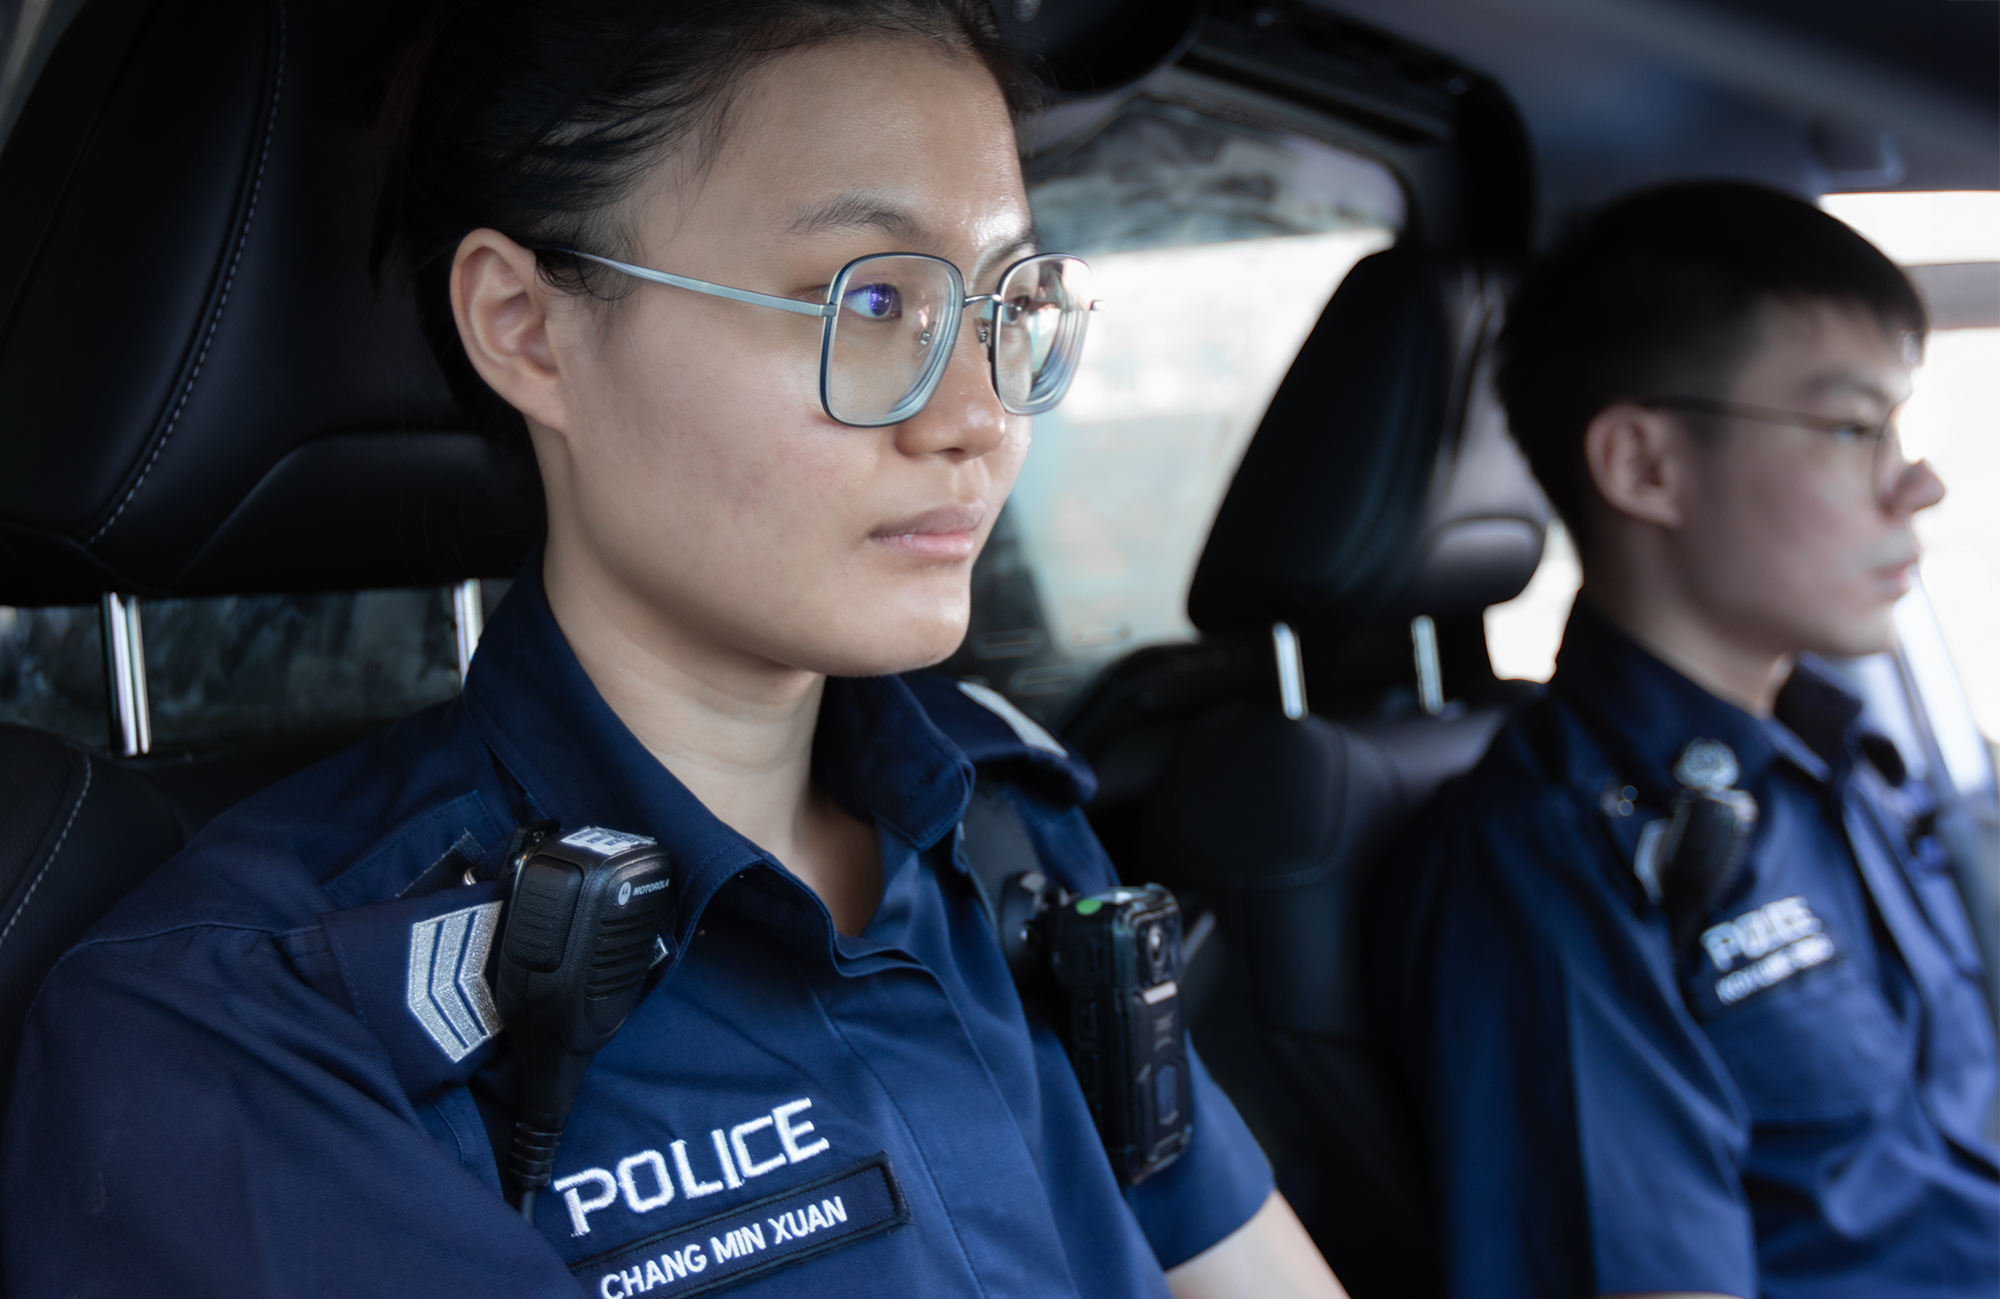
(964, 418)
(1916, 487)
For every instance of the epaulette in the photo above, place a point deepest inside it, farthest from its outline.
(1002, 740)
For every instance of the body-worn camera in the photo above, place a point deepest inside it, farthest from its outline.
(1695, 856)
(1108, 966)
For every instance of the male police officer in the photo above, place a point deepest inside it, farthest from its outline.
(1644, 1063)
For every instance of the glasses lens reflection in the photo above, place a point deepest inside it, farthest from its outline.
(1040, 312)
(891, 337)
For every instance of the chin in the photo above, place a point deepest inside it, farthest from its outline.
(1870, 635)
(880, 628)
(923, 645)
(884, 647)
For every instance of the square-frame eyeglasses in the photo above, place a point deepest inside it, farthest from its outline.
(891, 322)
(1881, 437)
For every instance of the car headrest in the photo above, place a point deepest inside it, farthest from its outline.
(1382, 482)
(203, 394)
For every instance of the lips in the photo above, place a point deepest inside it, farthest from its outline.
(1893, 578)
(944, 534)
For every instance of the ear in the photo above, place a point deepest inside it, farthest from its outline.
(1636, 459)
(502, 308)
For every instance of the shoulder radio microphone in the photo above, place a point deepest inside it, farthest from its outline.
(582, 930)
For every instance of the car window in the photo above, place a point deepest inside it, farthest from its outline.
(1522, 634)
(1215, 244)
(236, 665)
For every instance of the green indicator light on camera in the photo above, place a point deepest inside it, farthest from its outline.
(1089, 906)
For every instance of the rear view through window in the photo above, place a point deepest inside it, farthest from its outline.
(1216, 245)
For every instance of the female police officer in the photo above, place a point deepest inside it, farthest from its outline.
(623, 220)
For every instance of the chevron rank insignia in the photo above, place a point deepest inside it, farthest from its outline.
(448, 993)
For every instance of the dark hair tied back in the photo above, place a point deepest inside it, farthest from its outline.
(1660, 294)
(536, 117)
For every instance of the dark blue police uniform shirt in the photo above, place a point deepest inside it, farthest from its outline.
(1791, 1108)
(273, 1070)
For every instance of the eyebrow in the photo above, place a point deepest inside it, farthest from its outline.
(853, 211)
(1842, 383)
(1028, 240)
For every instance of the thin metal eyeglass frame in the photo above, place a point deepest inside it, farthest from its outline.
(1880, 434)
(829, 311)
(1874, 432)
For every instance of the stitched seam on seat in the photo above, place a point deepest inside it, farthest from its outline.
(256, 189)
(54, 852)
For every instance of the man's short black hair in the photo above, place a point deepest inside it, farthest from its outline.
(1659, 294)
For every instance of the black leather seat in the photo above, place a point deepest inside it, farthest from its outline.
(77, 831)
(204, 395)
(1380, 486)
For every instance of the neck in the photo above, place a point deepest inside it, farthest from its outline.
(737, 732)
(1678, 636)
(735, 729)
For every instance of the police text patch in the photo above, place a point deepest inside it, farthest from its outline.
(1772, 943)
(776, 1231)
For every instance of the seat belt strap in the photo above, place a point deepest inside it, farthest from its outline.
(993, 843)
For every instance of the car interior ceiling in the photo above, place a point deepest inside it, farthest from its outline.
(204, 395)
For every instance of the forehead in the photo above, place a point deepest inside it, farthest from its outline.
(1826, 351)
(898, 137)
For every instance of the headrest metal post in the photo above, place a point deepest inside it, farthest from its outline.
(1430, 677)
(125, 672)
(1291, 673)
(468, 620)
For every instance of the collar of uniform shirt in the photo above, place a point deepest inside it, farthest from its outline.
(1816, 709)
(876, 751)
(1646, 710)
